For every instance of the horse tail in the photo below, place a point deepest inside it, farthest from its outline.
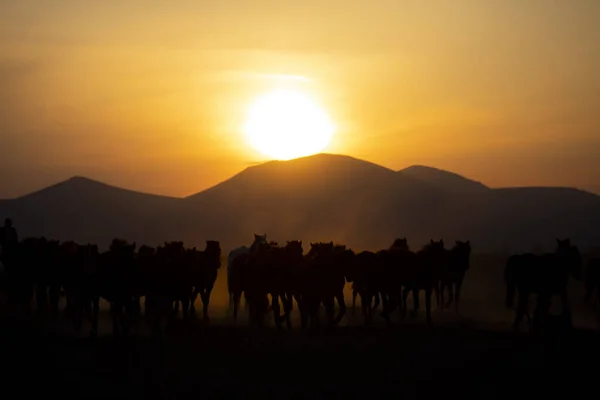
(510, 284)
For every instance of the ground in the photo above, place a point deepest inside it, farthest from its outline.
(226, 361)
(471, 354)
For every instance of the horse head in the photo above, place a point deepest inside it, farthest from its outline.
(463, 247)
(260, 238)
(146, 251)
(213, 247)
(571, 256)
(400, 244)
(435, 246)
(294, 248)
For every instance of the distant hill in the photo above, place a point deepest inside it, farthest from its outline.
(321, 197)
(85, 210)
(443, 179)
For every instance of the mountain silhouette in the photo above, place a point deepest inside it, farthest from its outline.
(320, 197)
(443, 179)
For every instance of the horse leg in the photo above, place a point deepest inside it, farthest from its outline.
(193, 298)
(385, 312)
(78, 312)
(288, 304)
(205, 295)
(458, 284)
(566, 308)
(95, 309)
(276, 309)
(354, 294)
(450, 287)
(115, 319)
(541, 311)
(366, 299)
(438, 296)
(521, 308)
(302, 308)
(126, 311)
(415, 293)
(246, 302)
(176, 308)
(377, 296)
(237, 295)
(342, 305)
(329, 304)
(54, 298)
(405, 292)
(185, 305)
(428, 305)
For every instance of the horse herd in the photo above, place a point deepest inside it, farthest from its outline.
(271, 278)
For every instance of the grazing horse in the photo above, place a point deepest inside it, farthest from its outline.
(453, 275)
(545, 275)
(235, 253)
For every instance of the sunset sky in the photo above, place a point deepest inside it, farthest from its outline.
(152, 95)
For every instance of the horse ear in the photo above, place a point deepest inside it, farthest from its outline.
(468, 242)
(431, 241)
(300, 242)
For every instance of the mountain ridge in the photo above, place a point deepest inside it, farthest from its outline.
(408, 171)
(323, 197)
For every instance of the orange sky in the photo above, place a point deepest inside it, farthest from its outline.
(152, 95)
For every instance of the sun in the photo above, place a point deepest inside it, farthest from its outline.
(286, 124)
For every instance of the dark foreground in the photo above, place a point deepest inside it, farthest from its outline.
(348, 362)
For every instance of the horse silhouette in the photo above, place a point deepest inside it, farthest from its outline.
(458, 263)
(545, 275)
(207, 264)
(240, 251)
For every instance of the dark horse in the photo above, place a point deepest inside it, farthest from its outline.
(453, 276)
(205, 274)
(545, 275)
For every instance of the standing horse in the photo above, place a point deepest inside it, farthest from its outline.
(545, 275)
(423, 273)
(205, 274)
(241, 251)
(454, 272)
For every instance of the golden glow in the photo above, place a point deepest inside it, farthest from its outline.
(286, 124)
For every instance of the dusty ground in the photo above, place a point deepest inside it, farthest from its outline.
(224, 361)
(472, 354)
